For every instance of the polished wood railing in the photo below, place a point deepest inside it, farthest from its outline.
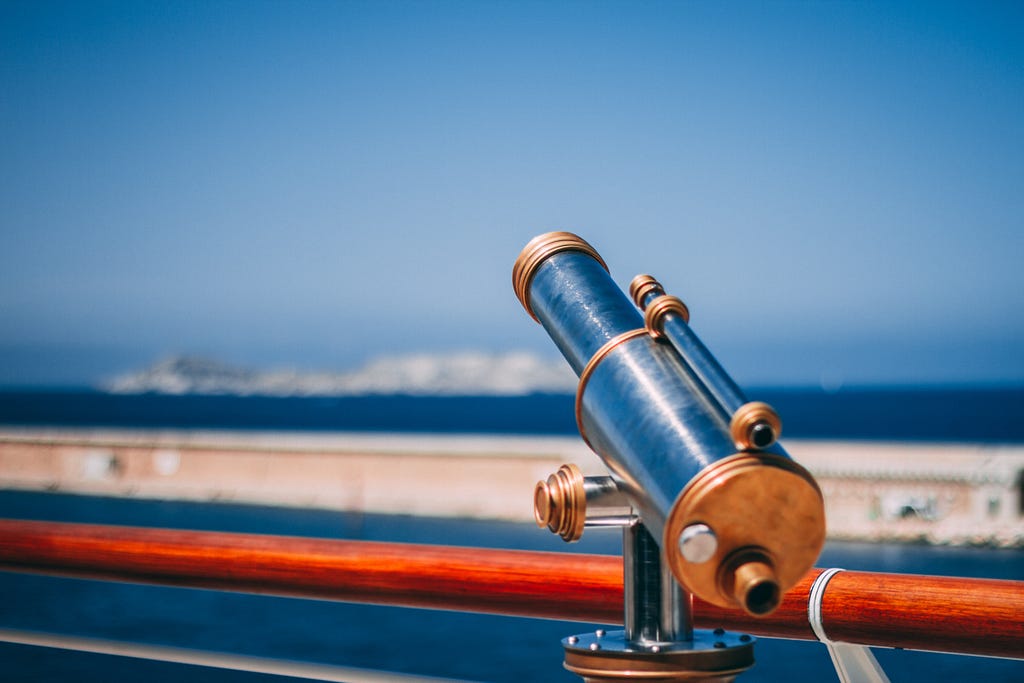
(962, 615)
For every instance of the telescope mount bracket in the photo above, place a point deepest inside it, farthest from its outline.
(658, 643)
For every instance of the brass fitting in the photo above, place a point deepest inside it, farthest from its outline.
(750, 578)
(538, 250)
(755, 425)
(654, 315)
(768, 517)
(643, 286)
(560, 503)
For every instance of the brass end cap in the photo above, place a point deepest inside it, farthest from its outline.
(538, 250)
(560, 503)
(768, 516)
(643, 286)
(654, 315)
(755, 425)
(750, 578)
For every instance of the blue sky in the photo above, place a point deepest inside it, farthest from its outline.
(835, 189)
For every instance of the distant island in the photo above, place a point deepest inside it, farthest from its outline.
(467, 373)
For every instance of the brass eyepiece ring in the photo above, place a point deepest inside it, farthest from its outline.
(749, 577)
(594, 361)
(560, 503)
(654, 316)
(538, 250)
(755, 425)
(643, 286)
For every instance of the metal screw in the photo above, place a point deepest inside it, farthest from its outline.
(599, 633)
(745, 638)
(698, 543)
(719, 631)
(719, 644)
(573, 640)
(655, 649)
(595, 646)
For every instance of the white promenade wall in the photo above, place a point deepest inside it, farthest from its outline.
(938, 493)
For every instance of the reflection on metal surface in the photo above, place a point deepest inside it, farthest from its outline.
(601, 354)
(668, 317)
(698, 543)
(657, 610)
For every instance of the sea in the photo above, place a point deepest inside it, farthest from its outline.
(452, 645)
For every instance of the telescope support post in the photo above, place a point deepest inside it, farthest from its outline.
(658, 642)
(657, 608)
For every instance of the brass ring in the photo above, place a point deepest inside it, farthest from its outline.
(560, 503)
(654, 316)
(538, 250)
(755, 425)
(641, 287)
(608, 347)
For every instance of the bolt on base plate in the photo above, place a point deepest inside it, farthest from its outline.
(715, 656)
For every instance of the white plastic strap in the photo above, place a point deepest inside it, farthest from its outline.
(853, 663)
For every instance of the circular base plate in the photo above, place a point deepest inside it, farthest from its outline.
(607, 656)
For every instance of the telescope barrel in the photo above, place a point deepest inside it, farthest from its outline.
(737, 527)
(580, 319)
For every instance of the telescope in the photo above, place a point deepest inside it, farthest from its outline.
(711, 503)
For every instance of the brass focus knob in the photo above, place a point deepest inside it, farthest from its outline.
(643, 286)
(755, 425)
(560, 503)
(654, 314)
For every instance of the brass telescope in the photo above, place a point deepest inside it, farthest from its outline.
(738, 521)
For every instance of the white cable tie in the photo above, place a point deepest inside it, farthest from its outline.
(814, 599)
(853, 663)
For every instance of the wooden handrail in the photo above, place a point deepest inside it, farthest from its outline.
(968, 616)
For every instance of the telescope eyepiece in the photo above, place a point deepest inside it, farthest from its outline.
(751, 581)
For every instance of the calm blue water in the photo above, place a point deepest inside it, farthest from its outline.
(954, 414)
(465, 646)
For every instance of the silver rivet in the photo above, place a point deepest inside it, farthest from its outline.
(573, 640)
(595, 646)
(599, 633)
(655, 649)
(698, 543)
